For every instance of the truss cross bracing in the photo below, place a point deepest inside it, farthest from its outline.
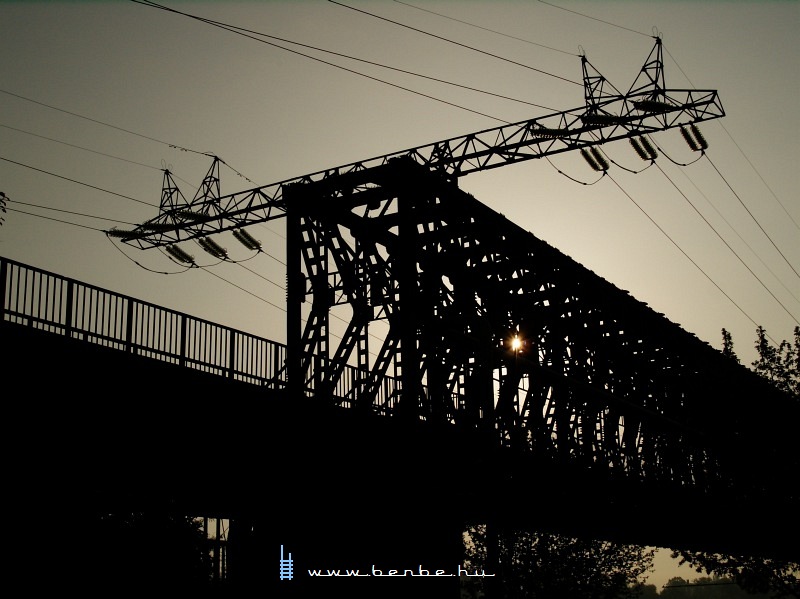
(596, 380)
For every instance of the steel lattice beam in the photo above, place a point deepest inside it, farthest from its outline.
(601, 383)
(606, 116)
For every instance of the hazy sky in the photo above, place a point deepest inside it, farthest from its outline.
(272, 114)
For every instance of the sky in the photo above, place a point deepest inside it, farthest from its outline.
(96, 98)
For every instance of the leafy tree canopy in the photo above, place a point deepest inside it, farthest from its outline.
(545, 566)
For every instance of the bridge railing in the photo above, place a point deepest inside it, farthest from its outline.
(56, 304)
(49, 302)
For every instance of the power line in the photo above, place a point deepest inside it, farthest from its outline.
(575, 12)
(774, 195)
(519, 39)
(79, 147)
(64, 222)
(741, 151)
(682, 251)
(80, 116)
(751, 216)
(266, 301)
(82, 214)
(111, 220)
(360, 74)
(78, 182)
(349, 57)
(268, 280)
(742, 239)
(468, 47)
(170, 145)
(750, 270)
(143, 267)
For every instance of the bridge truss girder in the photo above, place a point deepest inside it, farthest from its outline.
(601, 381)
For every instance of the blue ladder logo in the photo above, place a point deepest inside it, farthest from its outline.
(287, 566)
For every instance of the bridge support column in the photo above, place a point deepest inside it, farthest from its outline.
(295, 295)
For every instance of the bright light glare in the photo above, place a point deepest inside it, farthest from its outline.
(516, 343)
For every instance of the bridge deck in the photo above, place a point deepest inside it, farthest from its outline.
(96, 426)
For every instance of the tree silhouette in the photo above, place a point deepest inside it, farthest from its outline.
(152, 549)
(780, 365)
(544, 566)
(727, 346)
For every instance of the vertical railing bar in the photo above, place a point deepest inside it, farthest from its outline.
(102, 325)
(204, 341)
(96, 299)
(39, 287)
(182, 356)
(144, 327)
(167, 328)
(207, 340)
(29, 296)
(129, 327)
(152, 327)
(158, 321)
(34, 291)
(182, 339)
(116, 325)
(3, 275)
(52, 302)
(25, 293)
(25, 311)
(91, 325)
(187, 340)
(200, 349)
(68, 314)
(232, 357)
(15, 290)
(182, 334)
(120, 325)
(44, 288)
(140, 328)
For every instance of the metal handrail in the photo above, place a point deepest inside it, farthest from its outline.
(46, 301)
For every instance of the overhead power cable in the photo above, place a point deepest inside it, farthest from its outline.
(170, 145)
(682, 251)
(750, 270)
(575, 12)
(110, 220)
(80, 116)
(741, 151)
(263, 41)
(281, 308)
(751, 216)
(79, 182)
(468, 47)
(58, 220)
(519, 39)
(742, 239)
(143, 267)
(774, 195)
(237, 28)
(240, 288)
(79, 147)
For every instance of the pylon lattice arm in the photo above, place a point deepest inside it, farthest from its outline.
(605, 117)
